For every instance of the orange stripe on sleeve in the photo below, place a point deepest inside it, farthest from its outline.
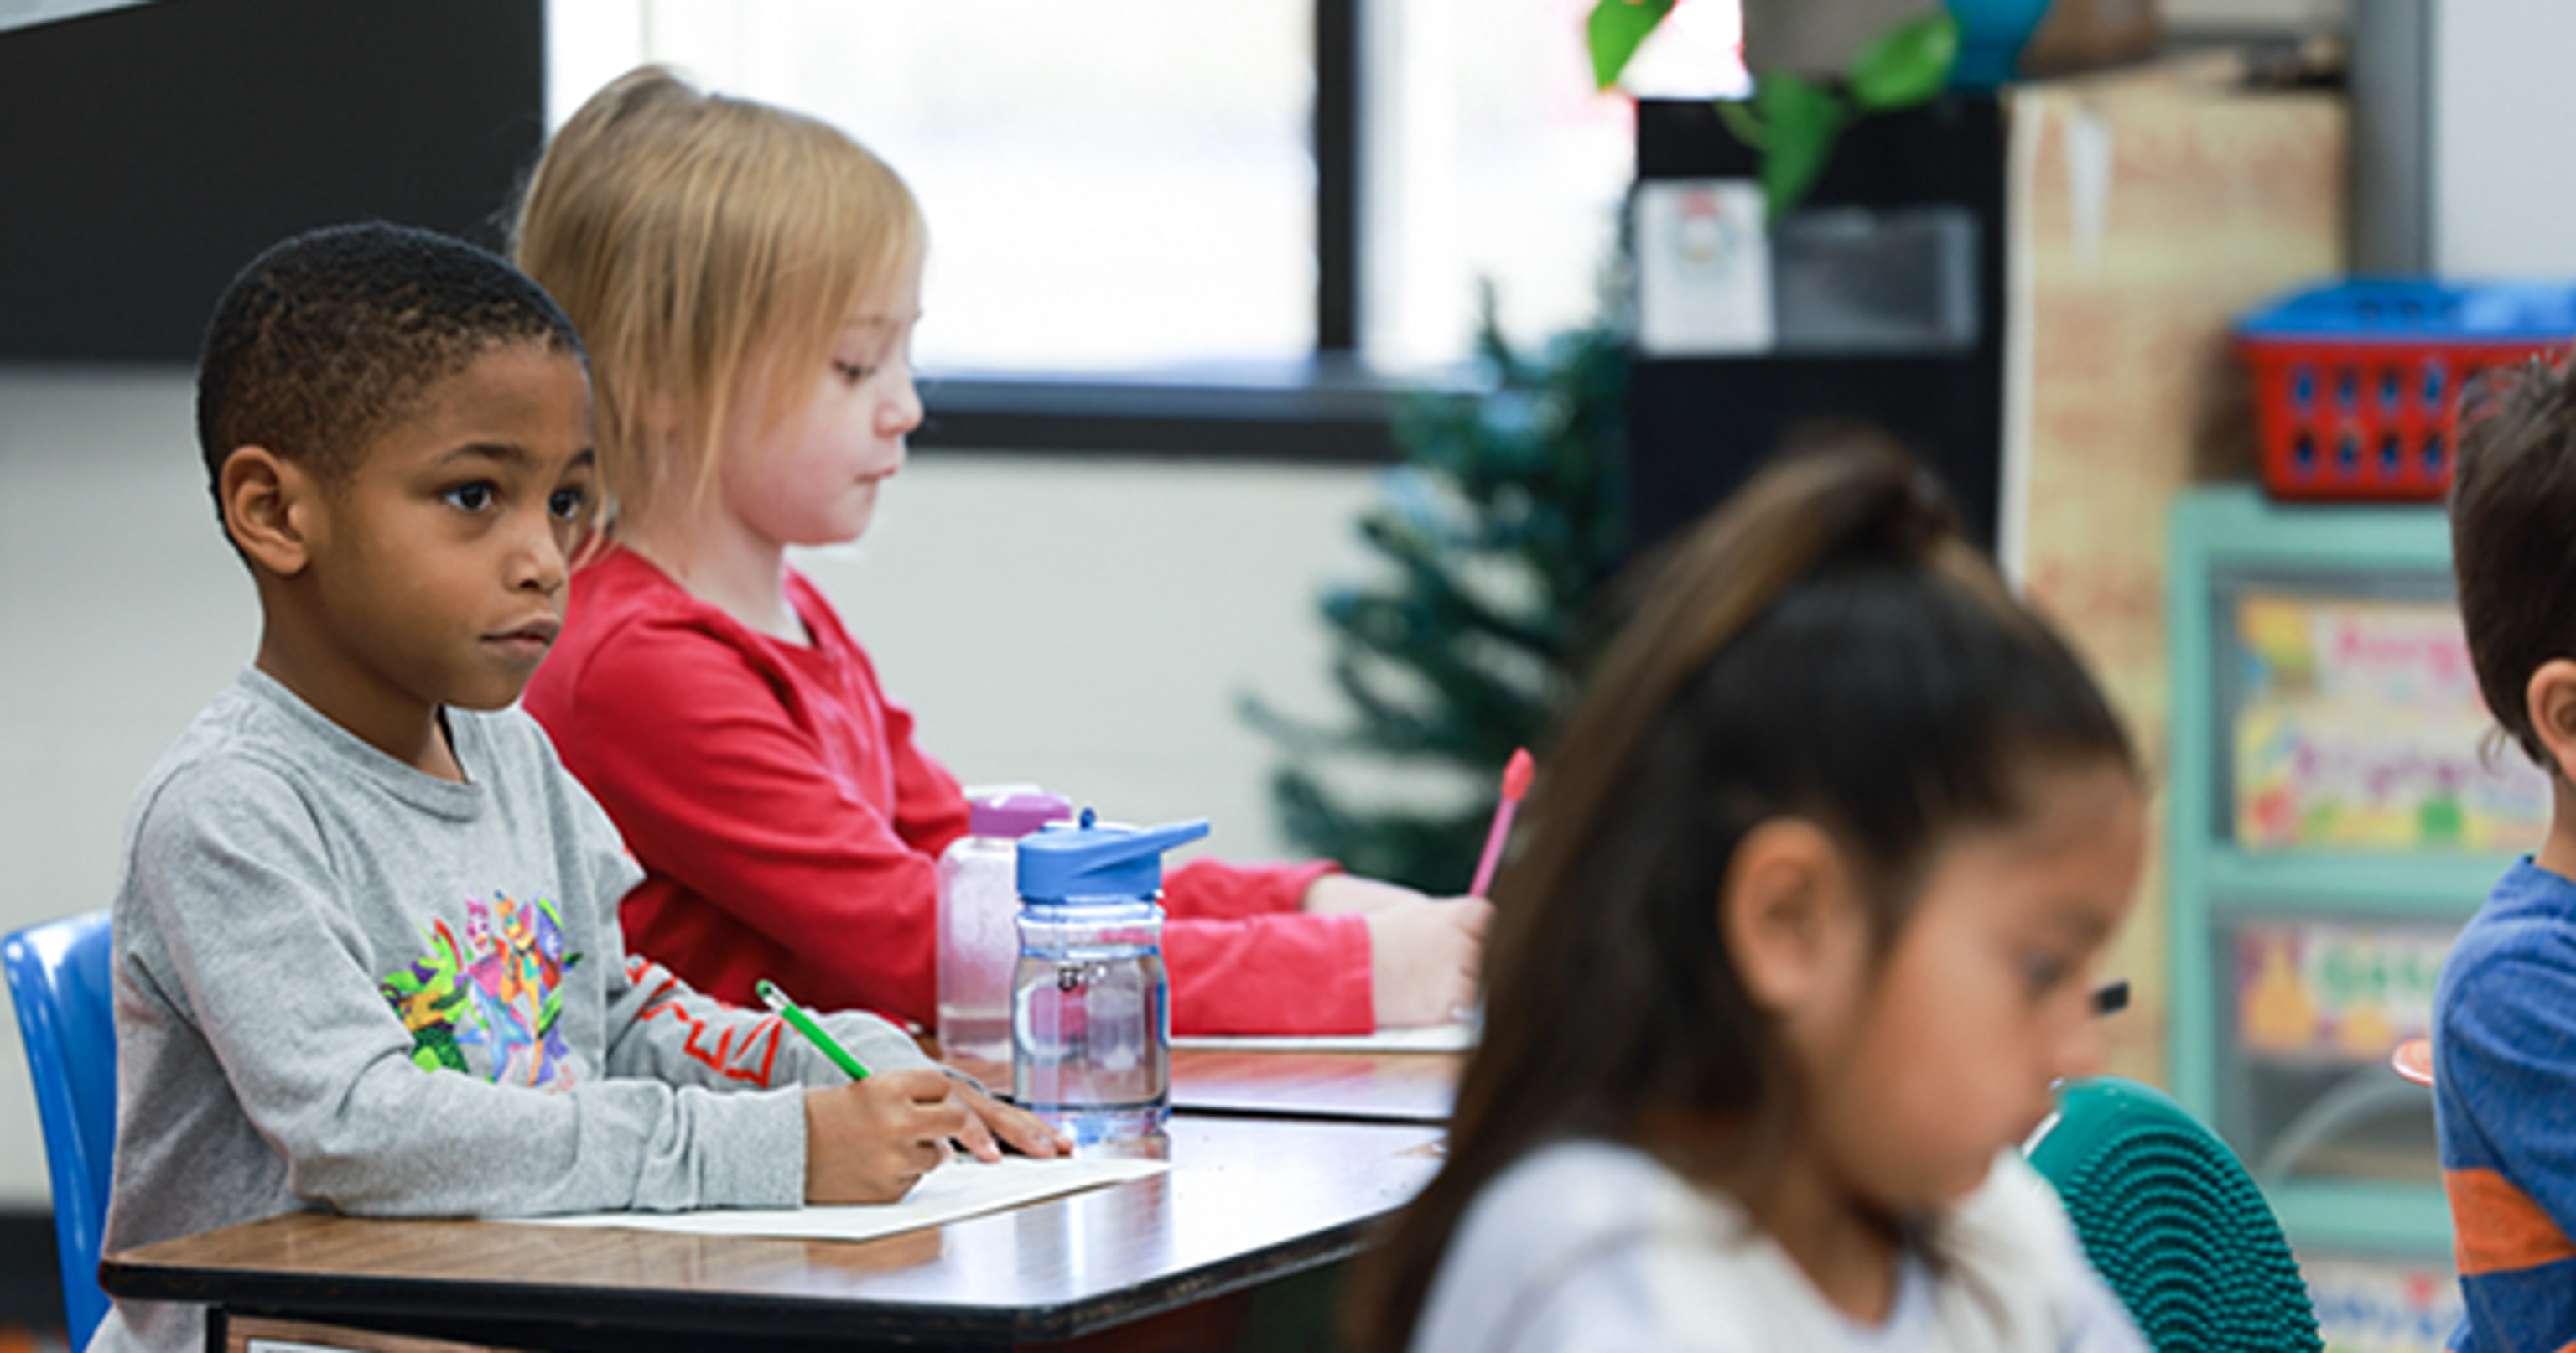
(2496, 1228)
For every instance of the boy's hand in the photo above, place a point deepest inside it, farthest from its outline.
(1422, 959)
(988, 1118)
(872, 1140)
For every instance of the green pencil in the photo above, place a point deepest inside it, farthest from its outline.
(804, 1024)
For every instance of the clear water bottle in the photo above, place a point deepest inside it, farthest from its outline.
(979, 899)
(1091, 1016)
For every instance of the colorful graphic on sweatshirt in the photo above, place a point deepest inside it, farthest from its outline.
(427, 995)
(498, 994)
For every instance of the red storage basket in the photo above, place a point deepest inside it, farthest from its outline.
(2357, 385)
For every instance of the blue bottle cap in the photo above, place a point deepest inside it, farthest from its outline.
(1063, 862)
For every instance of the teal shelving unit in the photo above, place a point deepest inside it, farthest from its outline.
(2342, 1146)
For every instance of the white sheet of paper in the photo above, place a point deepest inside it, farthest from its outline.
(964, 1187)
(1456, 1037)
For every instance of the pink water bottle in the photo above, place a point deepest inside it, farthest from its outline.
(979, 944)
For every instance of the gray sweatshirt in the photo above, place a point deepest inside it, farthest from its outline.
(344, 984)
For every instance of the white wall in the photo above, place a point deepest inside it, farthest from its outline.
(2503, 201)
(1087, 623)
(1090, 624)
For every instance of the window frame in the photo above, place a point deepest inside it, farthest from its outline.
(1331, 409)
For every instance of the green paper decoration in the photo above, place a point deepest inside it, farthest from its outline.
(1793, 121)
(1615, 30)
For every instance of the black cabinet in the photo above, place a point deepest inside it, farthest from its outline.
(1700, 425)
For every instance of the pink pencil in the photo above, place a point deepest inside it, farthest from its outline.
(1516, 782)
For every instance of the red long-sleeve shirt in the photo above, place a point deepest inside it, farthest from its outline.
(790, 829)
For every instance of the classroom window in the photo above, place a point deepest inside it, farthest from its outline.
(1489, 157)
(1107, 186)
(1134, 187)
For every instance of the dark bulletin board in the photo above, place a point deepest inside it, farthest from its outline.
(1700, 426)
(147, 153)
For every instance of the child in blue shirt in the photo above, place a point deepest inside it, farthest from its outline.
(2504, 1012)
(366, 945)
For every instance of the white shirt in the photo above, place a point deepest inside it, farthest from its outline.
(1587, 1245)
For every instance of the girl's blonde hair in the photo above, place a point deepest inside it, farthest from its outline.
(710, 250)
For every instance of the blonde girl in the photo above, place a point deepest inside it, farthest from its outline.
(748, 280)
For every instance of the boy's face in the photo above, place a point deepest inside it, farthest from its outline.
(438, 566)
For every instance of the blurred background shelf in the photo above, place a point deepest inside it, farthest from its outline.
(2358, 1217)
(2346, 882)
(2332, 824)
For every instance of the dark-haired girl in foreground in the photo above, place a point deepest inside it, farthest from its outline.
(1799, 943)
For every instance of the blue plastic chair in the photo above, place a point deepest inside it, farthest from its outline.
(2174, 1223)
(58, 977)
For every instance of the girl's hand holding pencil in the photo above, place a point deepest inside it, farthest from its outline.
(1424, 952)
(1422, 960)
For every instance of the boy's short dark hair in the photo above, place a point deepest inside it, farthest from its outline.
(2513, 535)
(330, 335)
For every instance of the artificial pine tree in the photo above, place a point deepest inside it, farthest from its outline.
(1502, 523)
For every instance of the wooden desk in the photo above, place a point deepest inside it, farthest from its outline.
(1176, 1261)
(1398, 1087)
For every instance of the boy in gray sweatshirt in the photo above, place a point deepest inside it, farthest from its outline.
(366, 943)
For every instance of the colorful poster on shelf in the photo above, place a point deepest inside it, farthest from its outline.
(2382, 1306)
(2359, 726)
(2335, 991)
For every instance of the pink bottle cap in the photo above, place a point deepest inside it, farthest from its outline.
(1015, 814)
